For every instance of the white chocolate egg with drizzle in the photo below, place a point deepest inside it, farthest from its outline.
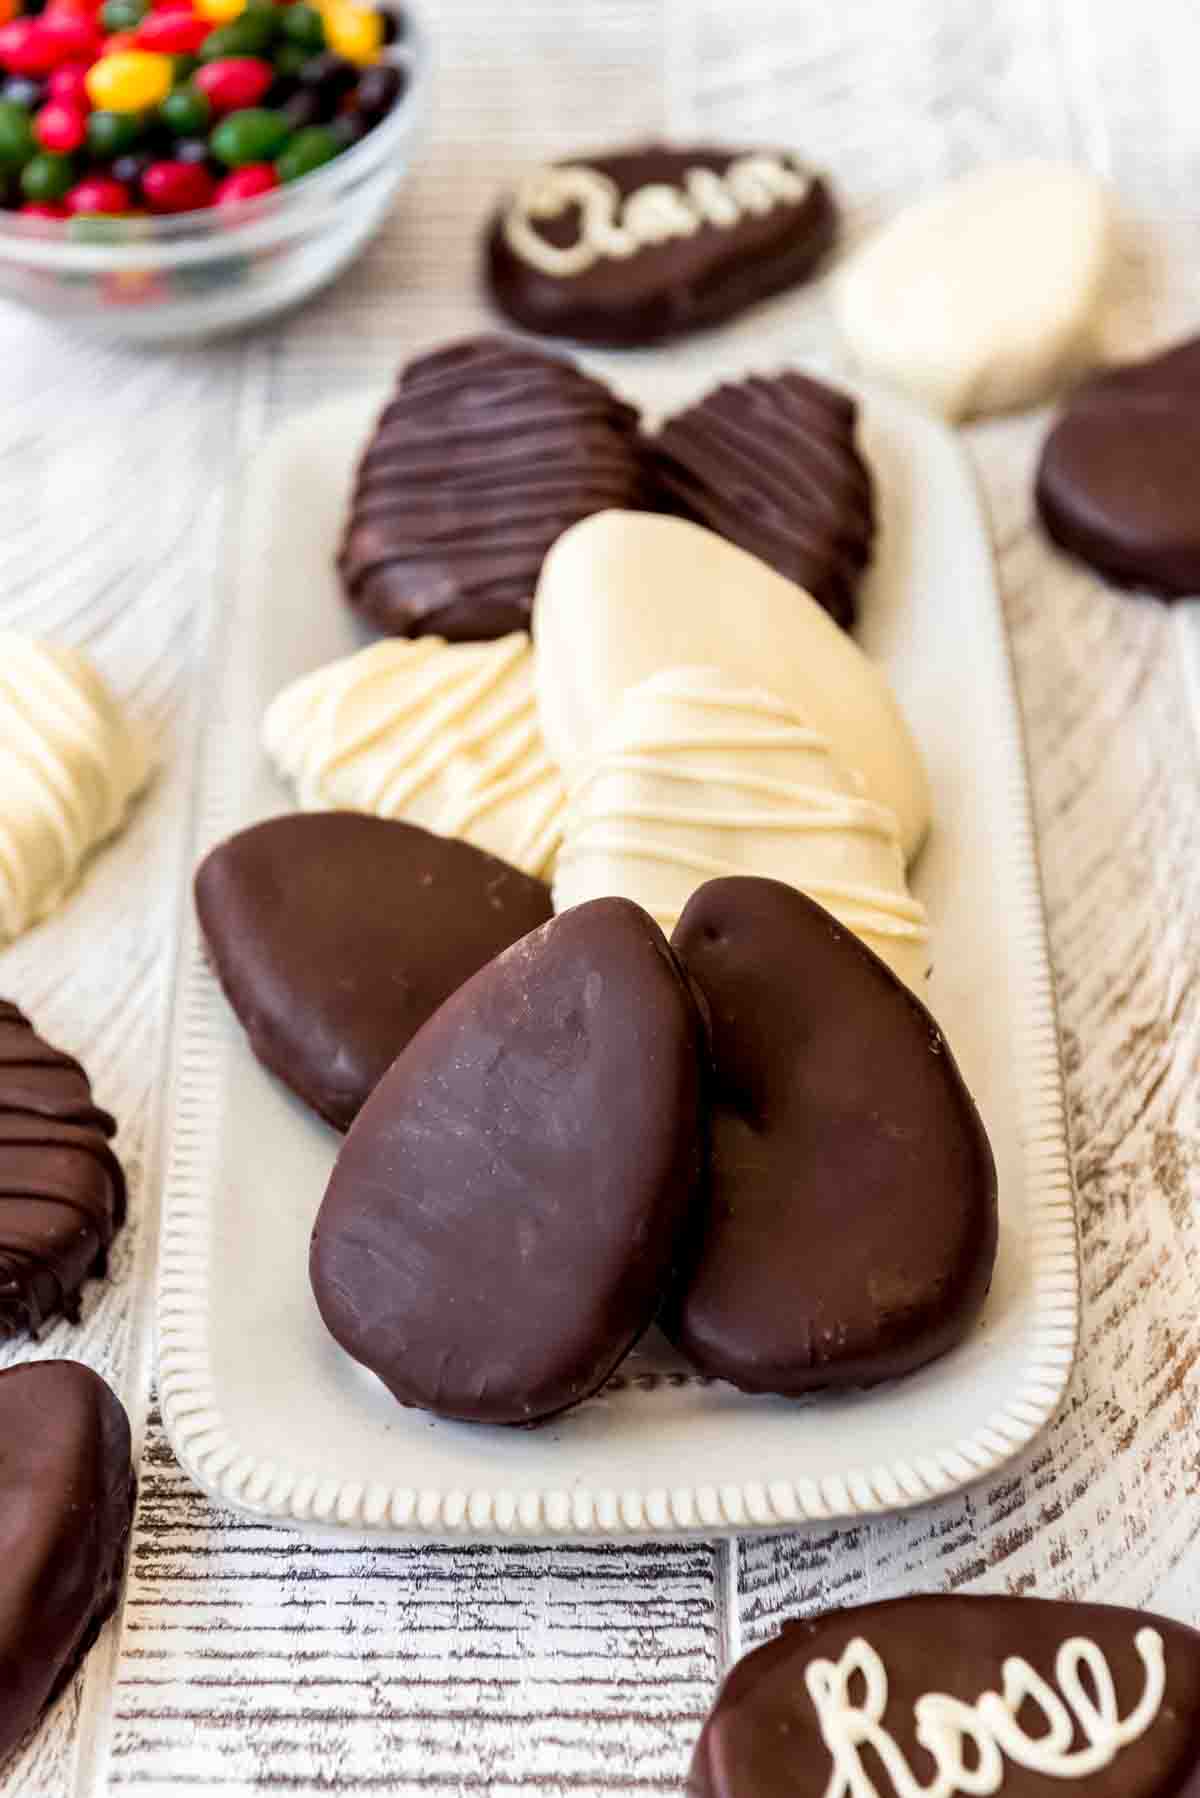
(70, 763)
(696, 776)
(441, 734)
(625, 595)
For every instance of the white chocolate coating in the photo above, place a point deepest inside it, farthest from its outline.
(970, 1742)
(70, 763)
(624, 595)
(613, 229)
(982, 296)
(440, 734)
(695, 776)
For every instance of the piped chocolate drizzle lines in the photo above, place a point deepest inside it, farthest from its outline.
(487, 452)
(62, 1190)
(772, 465)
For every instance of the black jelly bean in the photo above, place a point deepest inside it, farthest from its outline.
(379, 88)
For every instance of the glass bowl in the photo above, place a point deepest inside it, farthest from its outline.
(197, 274)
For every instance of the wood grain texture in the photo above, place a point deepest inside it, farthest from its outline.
(252, 1660)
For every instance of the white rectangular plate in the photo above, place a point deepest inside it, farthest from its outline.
(266, 1412)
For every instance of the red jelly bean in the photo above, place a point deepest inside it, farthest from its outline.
(73, 38)
(27, 48)
(69, 85)
(60, 127)
(173, 33)
(247, 183)
(234, 82)
(172, 6)
(43, 209)
(177, 187)
(99, 193)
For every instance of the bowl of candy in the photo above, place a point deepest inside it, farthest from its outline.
(175, 169)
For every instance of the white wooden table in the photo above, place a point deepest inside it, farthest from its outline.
(250, 1660)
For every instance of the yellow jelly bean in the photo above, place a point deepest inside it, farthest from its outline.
(129, 81)
(220, 12)
(355, 32)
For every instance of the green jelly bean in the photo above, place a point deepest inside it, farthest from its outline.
(308, 150)
(47, 177)
(17, 142)
(252, 135)
(289, 59)
(183, 68)
(247, 36)
(303, 24)
(123, 15)
(111, 134)
(186, 112)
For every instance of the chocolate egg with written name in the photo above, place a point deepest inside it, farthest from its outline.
(952, 1694)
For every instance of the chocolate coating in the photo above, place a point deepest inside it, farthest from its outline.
(486, 453)
(62, 1191)
(771, 463)
(335, 935)
(666, 288)
(1117, 481)
(763, 1738)
(502, 1220)
(66, 1506)
(851, 1224)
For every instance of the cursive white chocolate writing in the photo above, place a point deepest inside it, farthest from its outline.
(968, 1742)
(616, 229)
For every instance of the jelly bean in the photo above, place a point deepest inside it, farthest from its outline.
(174, 33)
(247, 184)
(122, 15)
(118, 41)
(353, 31)
(301, 109)
(130, 168)
(27, 48)
(22, 90)
(177, 187)
(43, 209)
(17, 143)
(308, 150)
(99, 193)
(110, 134)
(349, 128)
(235, 82)
(186, 111)
(380, 88)
(60, 127)
(290, 60)
(303, 24)
(331, 76)
(47, 176)
(220, 12)
(247, 36)
(69, 84)
(190, 149)
(71, 37)
(252, 136)
(129, 81)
